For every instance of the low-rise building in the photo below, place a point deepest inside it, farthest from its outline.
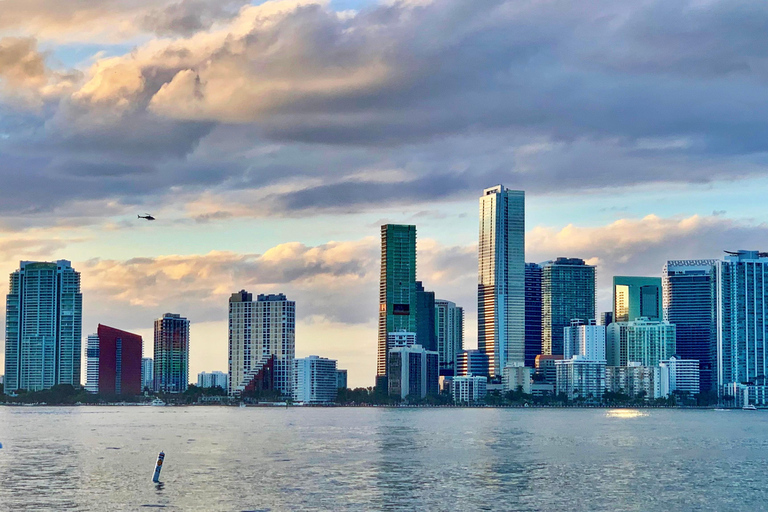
(468, 389)
(545, 368)
(341, 379)
(213, 379)
(634, 380)
(516, 377)
(314, 380)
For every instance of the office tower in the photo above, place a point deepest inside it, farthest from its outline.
(119, 362)
(516, 377)
(579, 378)
(635, 297)
(606, 318)
(213, 380)
(501, 278)
(449, 319)
(567, 293)
(397, 290)
(425, 318)
(412, 372)
(584, 339)
(314, 380)
(171, 363)
(532, 313)
(341, 379)
(92, 364)
(642, 341)
(681, 375)
(634, 380)
(688, 291)
(401, 339)
(545, 368)
(472, 362)
(147, 374)
(468, 389)
(43, 329)
(259, 330)
(741, 285)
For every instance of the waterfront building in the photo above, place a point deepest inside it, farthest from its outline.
(449, 320)
(147, 373)
(119, 361)
(580, 378)
(741, 286)
(688, 299)
(425, 318)
(413, 372)
(501, 278)
(516, 377)
(584, 339)
(341, 379)
(680, 375)
(567, 293)
(606, 318)
(472, 362)
(545, 368)
(92, 364)
(259, 330)
(212, 380)
(314, 380)
(635, 297)
(171, 363)
(532, 313)
(469, 389)
(739, 394)
(642, 341)
(397, 290)
(635, 380)
(43, 326)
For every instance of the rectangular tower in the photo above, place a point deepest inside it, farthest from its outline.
(43, 332)
(171, 354)
(532, 313)
(501, 278)
(397, 290)
(567, 293)
(242, 324)
(274, 335)
(425, 318)
(635, 297)
(449, 319)
(119, 362)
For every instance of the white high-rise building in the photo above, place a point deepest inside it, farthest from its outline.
(43, 328)
(634, 380)
(314, 380)
(641, 341)
(259, 330)
(449, 328)
(501, 277)
(586, 340)
(92, 364)
(147, 373)
(212, 379)
(679, 375)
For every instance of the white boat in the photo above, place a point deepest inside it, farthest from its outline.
(157, 402)
(749, 407)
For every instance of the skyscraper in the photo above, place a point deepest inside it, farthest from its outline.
(119, 362)
(92, 364)
(242, 324)
(688, 300)
(501, 278)
(641, 341)
(171, 353)
(43, 332)
(567, 293)
(449, 319)
(635, 297)
(412, 372)
(397, 290)
(425, 318)
(532, 313)
(741, 285)
(147, 373)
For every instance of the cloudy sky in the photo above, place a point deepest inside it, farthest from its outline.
(271, 139)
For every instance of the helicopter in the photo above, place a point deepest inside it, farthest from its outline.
(146, 216)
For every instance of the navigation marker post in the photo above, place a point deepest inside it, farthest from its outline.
(158, 467)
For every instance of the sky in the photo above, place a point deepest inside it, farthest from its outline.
(272, 139)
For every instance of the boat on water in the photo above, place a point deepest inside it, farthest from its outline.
(749, 407)
(157, 402)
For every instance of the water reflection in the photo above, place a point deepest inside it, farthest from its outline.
(626, 413)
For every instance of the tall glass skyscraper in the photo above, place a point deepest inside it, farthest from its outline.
(635, 297)
(397, 290)
(171, 354)
(688, 302)
(501, 278)
(567, 293)
(449, 320)
(425, 318)
(43, 332)
(532, 313)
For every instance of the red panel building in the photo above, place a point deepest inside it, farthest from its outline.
(119, 362)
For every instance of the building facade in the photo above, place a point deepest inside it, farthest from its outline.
(92, 364)
(501, 278)
(635, 380)
(212, 380)
(681, 375)
(580, 378)
(472, 362)
(469, 389)
(584, 339)
(171, 362)
(567, 293)
(147, 374)
(642, 341)
(413, 372)
(119, 362)
(341, 379)
(397, 290)
(449, 328)
(425, 318)
(635, 297)
(545, 368)
(689, 303)
(43, 328)
(517, 377)
(314, 380)
(532, 313)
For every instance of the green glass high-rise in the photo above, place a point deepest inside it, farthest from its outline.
(636, 297)
(567, 293)
(397, 290)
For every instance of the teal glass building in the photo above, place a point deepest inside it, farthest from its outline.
(567, 293)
